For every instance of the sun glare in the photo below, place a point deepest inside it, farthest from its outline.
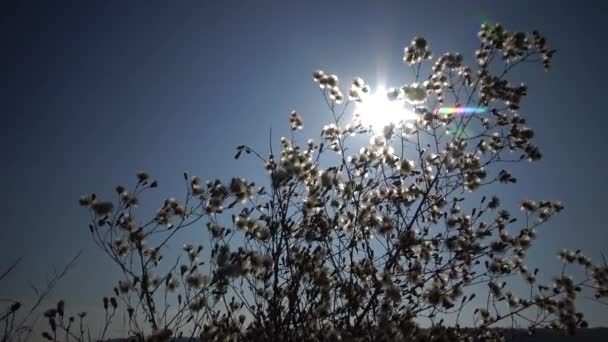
(378, 111)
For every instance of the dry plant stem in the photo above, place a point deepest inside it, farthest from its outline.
(28, 320)
(358, 244)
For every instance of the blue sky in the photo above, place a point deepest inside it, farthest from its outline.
(93, 92)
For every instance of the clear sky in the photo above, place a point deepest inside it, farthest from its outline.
(93, 92)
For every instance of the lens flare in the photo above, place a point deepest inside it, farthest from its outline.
(460, 110)
(378, 110)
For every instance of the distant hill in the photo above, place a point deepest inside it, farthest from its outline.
(541, 335)
(546, 335)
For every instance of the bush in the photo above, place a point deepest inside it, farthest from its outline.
(377, 244)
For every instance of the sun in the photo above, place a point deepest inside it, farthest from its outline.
(377, 111)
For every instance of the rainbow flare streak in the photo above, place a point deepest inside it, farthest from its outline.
(460, 110)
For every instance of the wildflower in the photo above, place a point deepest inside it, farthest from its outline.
(417, 51)
(86, 200)
(414, 94)
(197, 280)
(197, 304)
(261, 233)
(183, 269)
(496, 290)
(557, 206)
(60, 307)
(195, 186)
(150, 280)
(336, 95)
(584, 261)
(124, 286)
(407, 166)
(567, 256)
(494, 202)
(129, 199)
(142, 177)
(127, 223)
(15, 306)
(154, 254)
(122, 247)
(50, 313)
(318, 75)
(332, 81)
(296, 121)
(505, 177)
(528, 206)
(172, 283)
